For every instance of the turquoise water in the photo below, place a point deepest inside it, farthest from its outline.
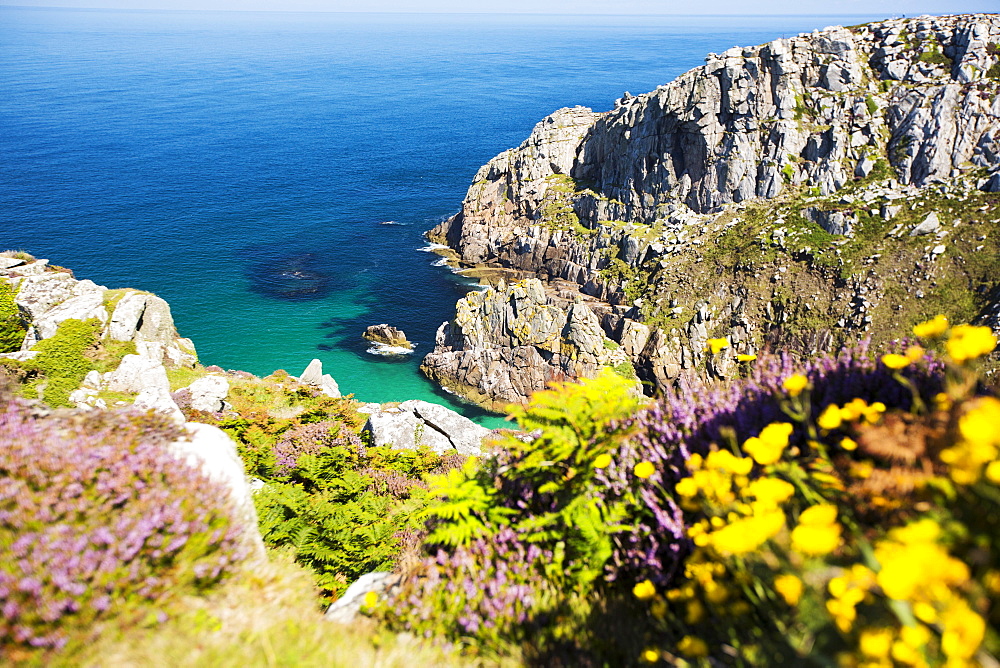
(244, 165)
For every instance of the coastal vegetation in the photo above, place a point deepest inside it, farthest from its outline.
(813, 480)
(837, 509)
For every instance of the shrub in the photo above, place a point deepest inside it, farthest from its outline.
(62, 361)
(697, 416)
(97, 519)
(339, 507)
(858, 533)
(12, 329)
(746, 523)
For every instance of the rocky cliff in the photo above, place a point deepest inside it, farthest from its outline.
(806, 192)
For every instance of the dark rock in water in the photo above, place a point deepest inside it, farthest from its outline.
(387, 335)
(292, 277)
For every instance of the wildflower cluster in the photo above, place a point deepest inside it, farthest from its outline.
(793, 559)
(97, 518)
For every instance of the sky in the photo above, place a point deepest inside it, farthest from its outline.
(702, 7)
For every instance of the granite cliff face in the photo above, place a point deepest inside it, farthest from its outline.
(510, 341)
(768, 196)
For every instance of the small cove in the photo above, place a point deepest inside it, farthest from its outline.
(271, 175)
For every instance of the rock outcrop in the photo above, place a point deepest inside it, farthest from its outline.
(415, 423)
(719, 204)
(210, 449)
(387, 335)
(324, 382)
(47, 296)
(510, 341)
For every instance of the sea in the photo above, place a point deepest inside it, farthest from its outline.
(271, 175)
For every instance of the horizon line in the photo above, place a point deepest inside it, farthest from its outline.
(465, 13)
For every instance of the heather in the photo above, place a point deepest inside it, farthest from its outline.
(835, 510)
(98, 520)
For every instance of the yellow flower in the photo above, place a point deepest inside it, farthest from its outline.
(659, 608)
(819, 515)
(795, 384)
(747, 534)
(963, 632)
(982, 423)
(848, 444)
(915, 636)
(968, 342)
(931, 329)
(715, 345)
(371, 599)
(745, 358)
(915, 568)
(724, 460)
(789, 587)
(650, 655)
(644, 591)
(694, 612)
(816, 540)
(818, 532)
(993, 472)
(687, 487)
(602, 461)
(894, 361)
(693, 647)
(767, 448)
(915, 353)
(644, 470)
(830, 418)
(876, 642)
(770, 491)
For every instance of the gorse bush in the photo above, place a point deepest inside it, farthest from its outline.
(842, 510)
(97, 518)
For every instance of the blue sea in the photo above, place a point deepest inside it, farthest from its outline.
(271, 174)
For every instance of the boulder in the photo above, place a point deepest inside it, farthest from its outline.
(127, 316)
(510, 341)
(155, 399)
(313, 375)
(38, 294)
(930, 225)
(403, 430)
(209, 393)
(87, 302)
(417, 423)
(210, 449)
(136, 373)
(346, 608)
(465, 436)
(834, 222)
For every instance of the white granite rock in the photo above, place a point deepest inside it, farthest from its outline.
(210, 449)
(209, 393)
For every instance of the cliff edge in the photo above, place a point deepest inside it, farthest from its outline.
(806, 192)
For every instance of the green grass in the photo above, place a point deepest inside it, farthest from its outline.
(267, 616)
